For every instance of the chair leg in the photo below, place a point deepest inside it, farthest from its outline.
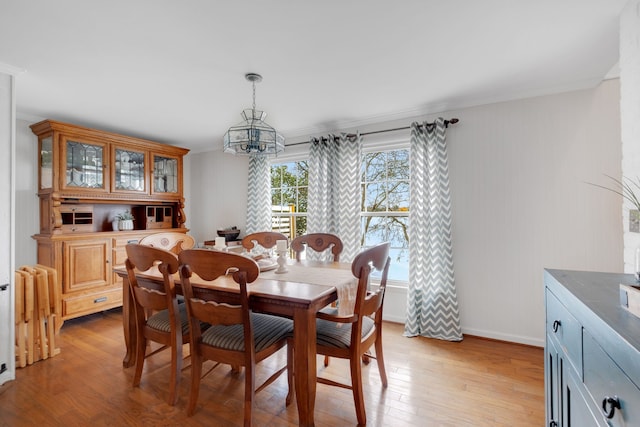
(326, 361)
(196, 373)
(176, 371)
(356, 385)
(249, 392)
(141, 348)
(289, 373)
(380, 360)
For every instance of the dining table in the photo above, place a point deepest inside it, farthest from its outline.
(299, 293)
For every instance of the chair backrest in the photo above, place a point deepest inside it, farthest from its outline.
(266, 239)
(169, 240)
(208, 266)
(366, 262)
(141, 258)
(318, 242)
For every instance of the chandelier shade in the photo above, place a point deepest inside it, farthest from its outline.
(253, 135)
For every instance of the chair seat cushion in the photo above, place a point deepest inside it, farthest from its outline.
(160, 320)
(267, 330)
(333, 334)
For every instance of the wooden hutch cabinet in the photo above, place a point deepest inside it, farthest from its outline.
(85, 178)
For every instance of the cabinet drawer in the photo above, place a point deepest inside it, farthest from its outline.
(120, 251)
(566, 329)
(80, 305)
(603, 378)
(76, 218)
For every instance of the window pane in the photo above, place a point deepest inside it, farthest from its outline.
(301, 226)
(375, 166)
(398, 196)
(399, 268)
(398, 232)
(276, 197)
(302, 199)
(398, 164)
(276, 176)
(375, 197)
(375, 230)
(303, 173)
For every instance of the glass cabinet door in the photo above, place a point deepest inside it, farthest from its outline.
(46, 163)
(129, 170)
(166, 175)
(85, 164)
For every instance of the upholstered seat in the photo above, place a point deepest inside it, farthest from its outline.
(329, 335)
(160, 321)
(267, 330)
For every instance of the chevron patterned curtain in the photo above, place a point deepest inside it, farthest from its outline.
(334, 191)
(259, 195)
(432, 304)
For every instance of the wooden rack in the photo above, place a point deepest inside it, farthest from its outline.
(38, 314)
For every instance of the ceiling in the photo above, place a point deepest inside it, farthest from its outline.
(173, 71)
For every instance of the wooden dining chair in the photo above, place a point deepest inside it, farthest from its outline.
(237, 336)
(318, 242)
(169, 240)
(266, 239)
(350, 337)
(158, 316)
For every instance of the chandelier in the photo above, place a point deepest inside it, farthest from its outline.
(253, 136)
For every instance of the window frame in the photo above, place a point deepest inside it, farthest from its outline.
(283, 160)
(381, 145)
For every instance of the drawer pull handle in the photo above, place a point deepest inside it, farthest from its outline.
(613, 403)
(553, 424)
(556, 325)
(101, 299)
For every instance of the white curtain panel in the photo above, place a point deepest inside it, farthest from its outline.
(334, 191)
(432, 303)
(259, 195)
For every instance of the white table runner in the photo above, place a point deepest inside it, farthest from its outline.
(345, 283)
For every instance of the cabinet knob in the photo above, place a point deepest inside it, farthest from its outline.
(556, 325)
(612, 403)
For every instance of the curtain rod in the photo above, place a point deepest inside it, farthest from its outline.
(451, 121)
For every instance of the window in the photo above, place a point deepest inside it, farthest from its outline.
(384, 200)
(289, 182)
(385, 206)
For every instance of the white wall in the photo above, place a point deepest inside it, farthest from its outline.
(521, 203)
(630, 113)
(27, 208)
(7, 218)
(218, 195)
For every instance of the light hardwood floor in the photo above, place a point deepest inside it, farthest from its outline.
(476, 382)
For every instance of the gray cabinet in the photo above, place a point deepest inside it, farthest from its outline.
(592, 354)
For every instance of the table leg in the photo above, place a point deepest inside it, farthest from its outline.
(128, 324)
(304, 338)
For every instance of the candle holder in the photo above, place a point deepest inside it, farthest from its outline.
(282, 261)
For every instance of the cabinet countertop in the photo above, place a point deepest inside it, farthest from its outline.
(587, 293)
